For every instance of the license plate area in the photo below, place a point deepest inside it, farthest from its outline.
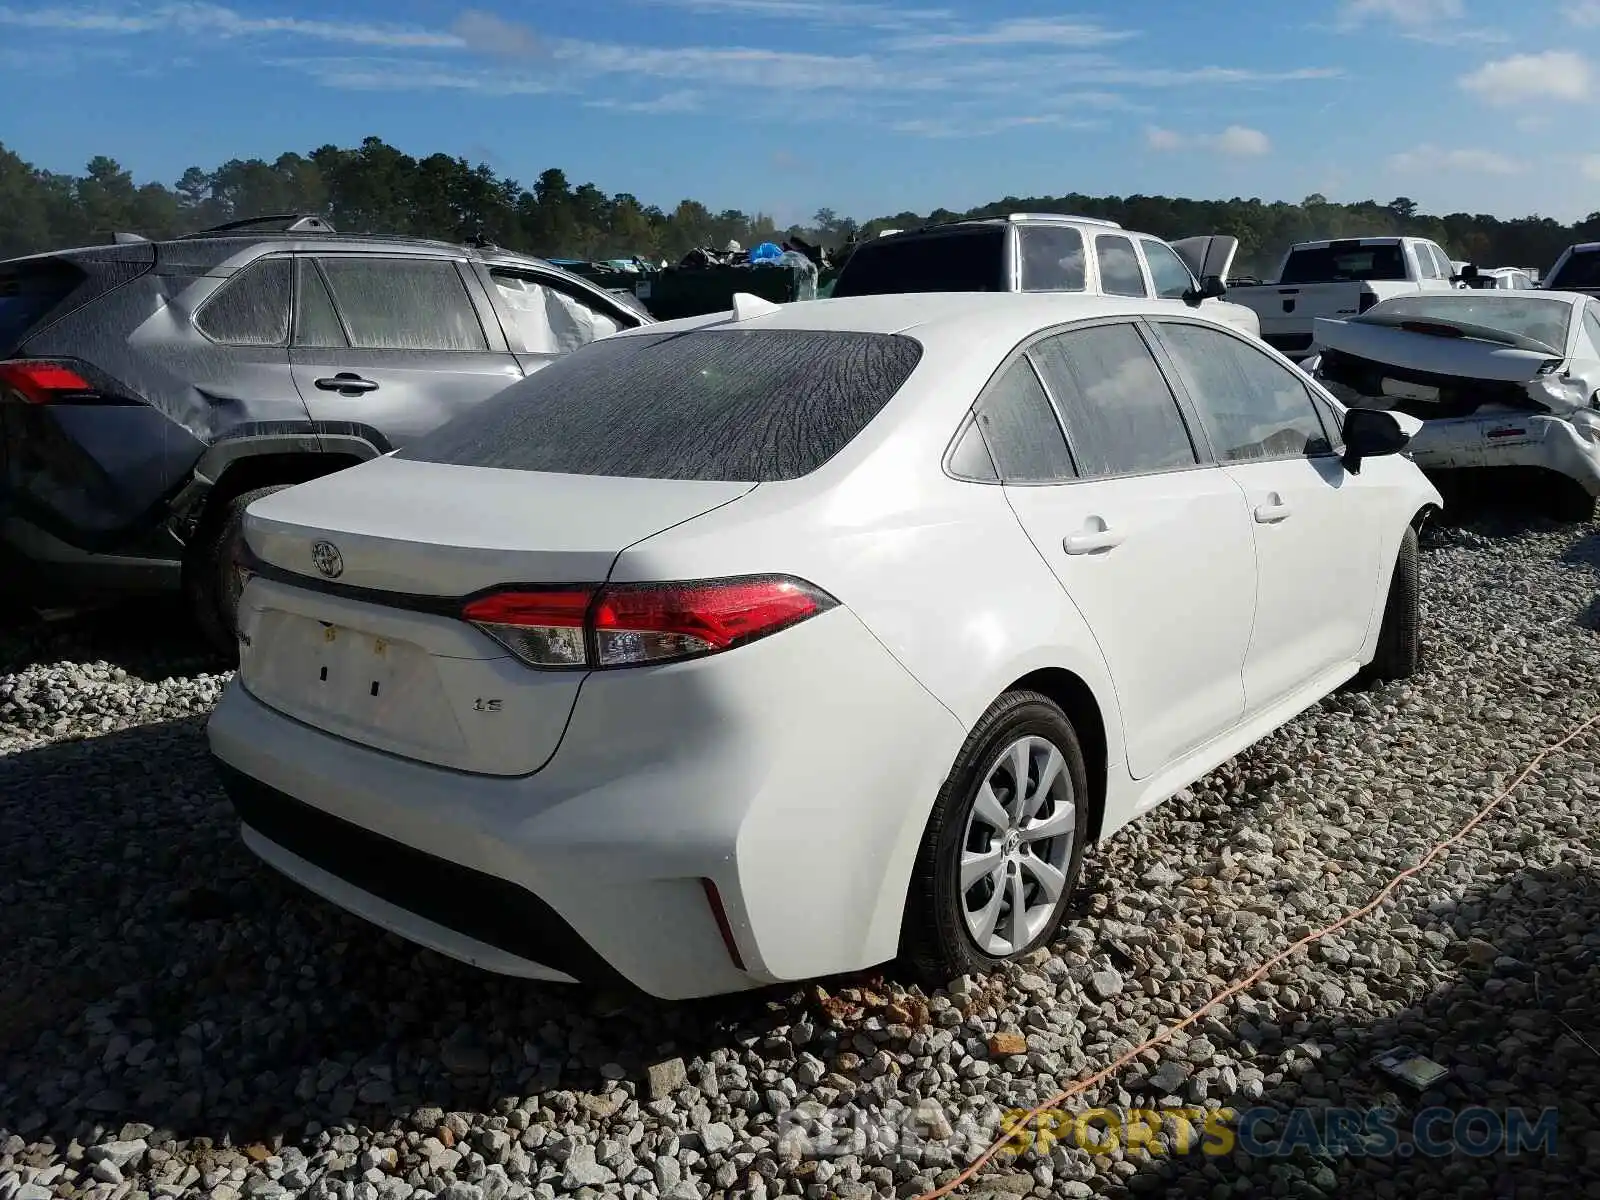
(381, 691)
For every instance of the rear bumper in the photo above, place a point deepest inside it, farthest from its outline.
(1526, 440)
(796, 774)
(42, 569)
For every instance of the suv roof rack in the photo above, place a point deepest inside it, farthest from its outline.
(277, 223)
(1050, 216)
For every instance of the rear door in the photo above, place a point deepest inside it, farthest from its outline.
(1153, 547)
(1317, 527)
(396, 344)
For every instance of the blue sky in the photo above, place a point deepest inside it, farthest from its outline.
(869, 107)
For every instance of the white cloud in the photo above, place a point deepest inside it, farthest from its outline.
(215, 21)
(1412, 13)
(1589, 165)
(1431, 158)
(1555, 74)
(1585, 14)
(1236, 141)
(667, 103)
(488, 34)
(1024, 31)
(812, 12)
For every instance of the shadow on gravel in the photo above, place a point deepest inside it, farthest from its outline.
(151, 639)
(1520, 1028)
(158, 974)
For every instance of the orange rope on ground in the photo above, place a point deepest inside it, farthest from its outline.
(1256, 976)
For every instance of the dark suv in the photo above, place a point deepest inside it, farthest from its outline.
(149, 391)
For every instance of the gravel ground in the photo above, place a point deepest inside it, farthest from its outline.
(175, 1019)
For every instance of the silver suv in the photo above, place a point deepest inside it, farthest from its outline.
(149, 391)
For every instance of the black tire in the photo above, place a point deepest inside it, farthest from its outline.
(1571, 501)
(209, 581)
(1399, 651)
(935, 939)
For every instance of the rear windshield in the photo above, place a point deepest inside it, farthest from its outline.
(1582, 270)
(968, 260)
(1342, 264)
(28, 292)
(746, 405)
(1542, 319)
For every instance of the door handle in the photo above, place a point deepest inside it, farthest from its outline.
(1273, 511)
(347, 383)
(1090, 543)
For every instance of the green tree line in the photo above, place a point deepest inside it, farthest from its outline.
(375, 188)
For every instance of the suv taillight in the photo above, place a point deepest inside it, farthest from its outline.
(40, 381)
(636, 624)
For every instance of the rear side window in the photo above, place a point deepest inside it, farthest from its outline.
(404, 304)
(1254, 407)
(252, 308)
(1581, 270)
(967, 260)
(1121, 416)
(1022, 432)
(28, 292)
(1052, 258)
(1119, 266)
(749, 405)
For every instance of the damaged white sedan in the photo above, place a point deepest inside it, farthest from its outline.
(1505, 380)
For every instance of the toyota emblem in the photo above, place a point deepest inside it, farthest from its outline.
(327, 558)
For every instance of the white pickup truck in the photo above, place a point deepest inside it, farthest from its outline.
(1342, 278)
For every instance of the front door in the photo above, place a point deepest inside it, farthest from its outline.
(1315, 523)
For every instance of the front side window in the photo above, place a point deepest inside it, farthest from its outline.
(547, 319)
(1119, 266)
(404, 304)
(1427, 265)
(1253, 407)
(1121, 416)
(252, 308)
(745, 405)
(1167, 270)
(1052, 258)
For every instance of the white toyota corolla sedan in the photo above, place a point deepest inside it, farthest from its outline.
(780, 643)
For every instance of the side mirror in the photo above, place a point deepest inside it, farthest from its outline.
(1370, 433)
(1469, 276)
(1212, 287)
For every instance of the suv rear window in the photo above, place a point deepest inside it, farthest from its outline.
(964, 260)
(751, 405)
(1341, 263)
(28, 292)
(1581, 270)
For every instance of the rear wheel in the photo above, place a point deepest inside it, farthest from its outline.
(1004, 847)
(1400, 637)
(1571, 501)
(211, 578)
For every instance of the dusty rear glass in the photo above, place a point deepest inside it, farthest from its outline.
(1542, 319)
(28, 292)
(1343, 264)
(955, 260)
(734, 405)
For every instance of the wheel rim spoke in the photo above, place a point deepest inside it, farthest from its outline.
(977, 865)
(1051, 879)
(1017, 925)
(989, 916)
(1021, 758)
(1063, 820)
(989, 810)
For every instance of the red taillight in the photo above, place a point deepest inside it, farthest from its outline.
(545, 628)
(629, 625)
(39, 382)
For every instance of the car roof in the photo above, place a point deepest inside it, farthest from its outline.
(221, 247)
(943, 316)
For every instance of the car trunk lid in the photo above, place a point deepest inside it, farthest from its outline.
(352, 622)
